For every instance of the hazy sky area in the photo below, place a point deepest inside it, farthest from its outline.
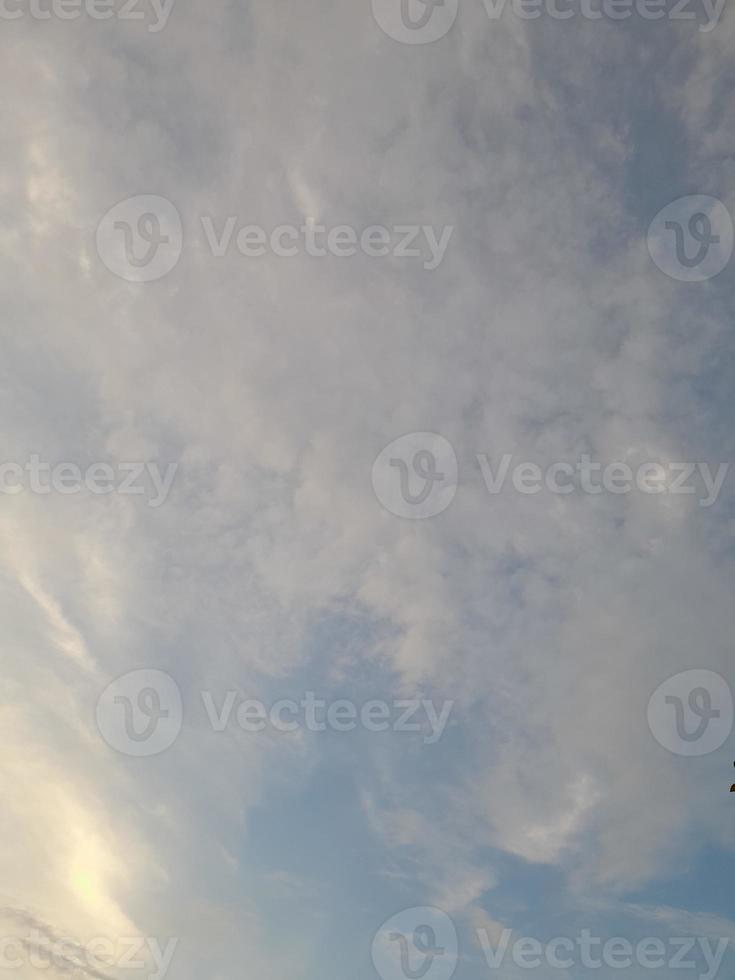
(367, 529)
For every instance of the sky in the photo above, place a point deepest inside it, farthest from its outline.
(326, 652)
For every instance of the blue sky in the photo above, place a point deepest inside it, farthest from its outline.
(550, 320)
